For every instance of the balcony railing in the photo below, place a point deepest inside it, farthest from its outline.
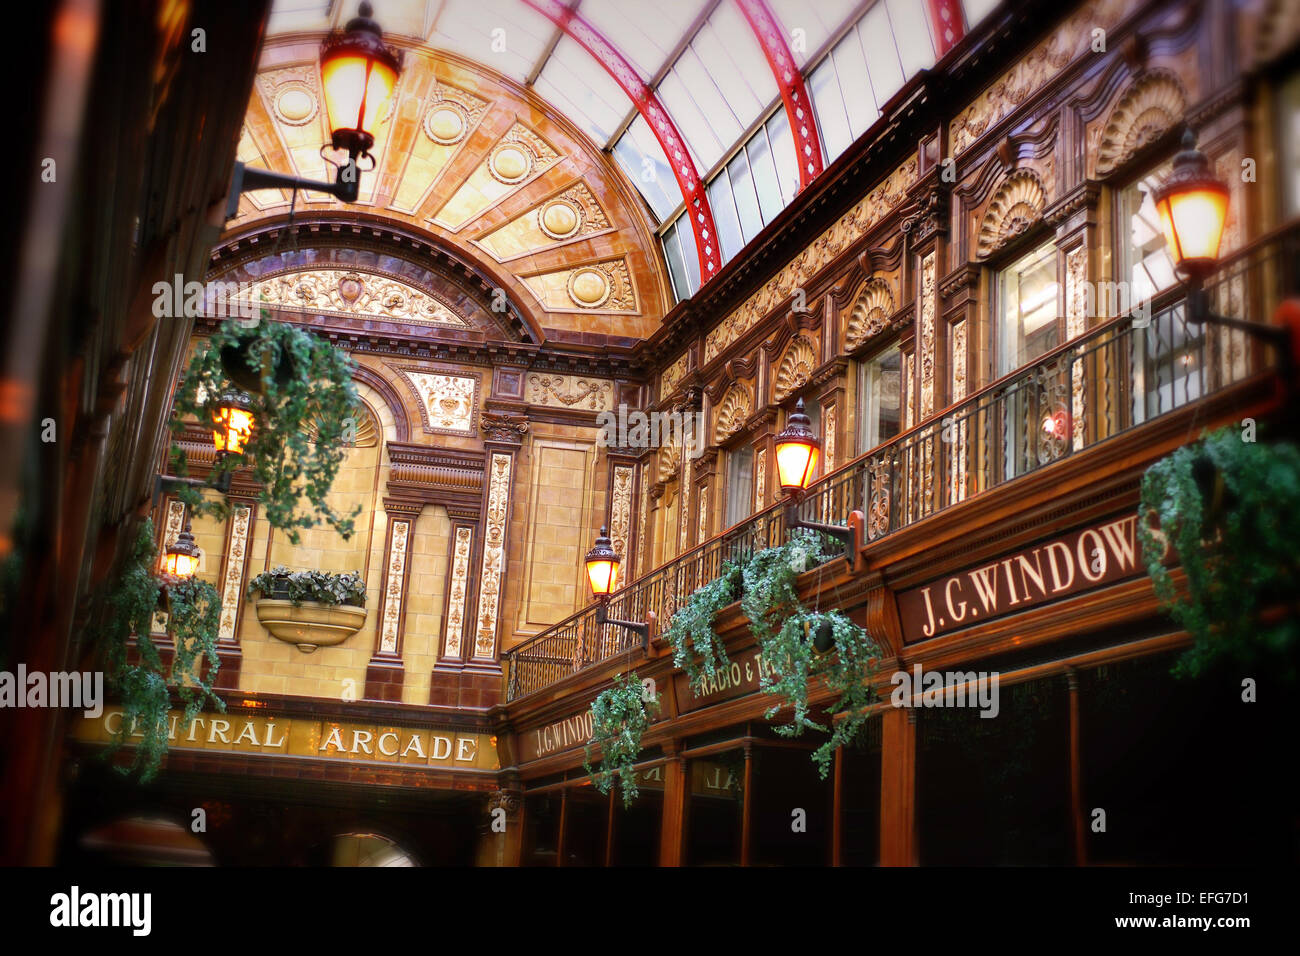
(1125, 372)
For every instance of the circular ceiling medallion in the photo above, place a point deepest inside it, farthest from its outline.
(446, 124)
(589, 288)
(511, 163)
(560, 219)
(295, 104)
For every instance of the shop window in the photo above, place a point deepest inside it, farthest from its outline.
(880, 405)
(1027, 310)
(740, 485)
(637, 828)
(860, 798)
(1186, 773)
(995, 791)
(791, 816)
(715, 810)
(541, 828)
(586, 822)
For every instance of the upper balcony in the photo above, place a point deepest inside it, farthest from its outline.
(1110, 383)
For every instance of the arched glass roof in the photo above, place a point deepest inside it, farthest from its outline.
(704, 64)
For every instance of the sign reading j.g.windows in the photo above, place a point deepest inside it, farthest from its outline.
(1089, 558)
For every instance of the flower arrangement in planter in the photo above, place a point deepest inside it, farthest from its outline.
(310, 608)
(301, 396)
(620, 715)
(1227, 511)
(798, 645)
(144, 686)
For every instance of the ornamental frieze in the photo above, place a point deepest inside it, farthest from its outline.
(1014, 87)
(673, 374)
(849, 228)
(570, 391)
(349, 292)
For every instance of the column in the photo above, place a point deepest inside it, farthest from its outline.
(385, 672)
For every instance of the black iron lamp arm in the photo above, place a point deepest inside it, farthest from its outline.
(602, 617)
(1199, 312)
(346, 188)
(175, 482)
(838, 532)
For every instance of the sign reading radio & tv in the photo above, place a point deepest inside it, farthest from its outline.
(312, 737)
(1089, 558)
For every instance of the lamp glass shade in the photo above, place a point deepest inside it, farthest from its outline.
(357, 89)
(603, 575)
(797, 449)
(180, 565)
(232, 426)
(181, 559)
(795, 462)
(602, 566)
(1193, 221)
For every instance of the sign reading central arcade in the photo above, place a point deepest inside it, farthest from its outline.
(310, 737)
(1086, 559)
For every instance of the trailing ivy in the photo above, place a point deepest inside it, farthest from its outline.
(784, 630)
(697, 649)
(1229, 511)
(620, 715)
(296, 446)
(323, 587)
(193, 618)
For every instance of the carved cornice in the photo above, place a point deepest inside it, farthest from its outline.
(964, 276)
(1083, 196)
(704, 463)
(422, 474)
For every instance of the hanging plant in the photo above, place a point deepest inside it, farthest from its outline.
(797, 645)
(1228, 512)
(620, 715)
(323, 587)
(303, 400)
(697, 649)
(193, 615)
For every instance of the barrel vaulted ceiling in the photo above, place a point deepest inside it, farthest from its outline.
(547, 141)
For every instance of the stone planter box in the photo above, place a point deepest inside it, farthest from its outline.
(309, 625)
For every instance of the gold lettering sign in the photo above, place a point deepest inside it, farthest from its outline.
(312, 737)
(1086, 559)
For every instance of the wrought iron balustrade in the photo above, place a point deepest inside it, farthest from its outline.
(1106, 382)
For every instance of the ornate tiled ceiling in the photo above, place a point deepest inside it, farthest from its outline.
(483, 167)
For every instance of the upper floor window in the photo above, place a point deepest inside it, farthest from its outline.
(1288, 126)
(1028, 316)
(740, 485)
(880, 406)
(1146, 264)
